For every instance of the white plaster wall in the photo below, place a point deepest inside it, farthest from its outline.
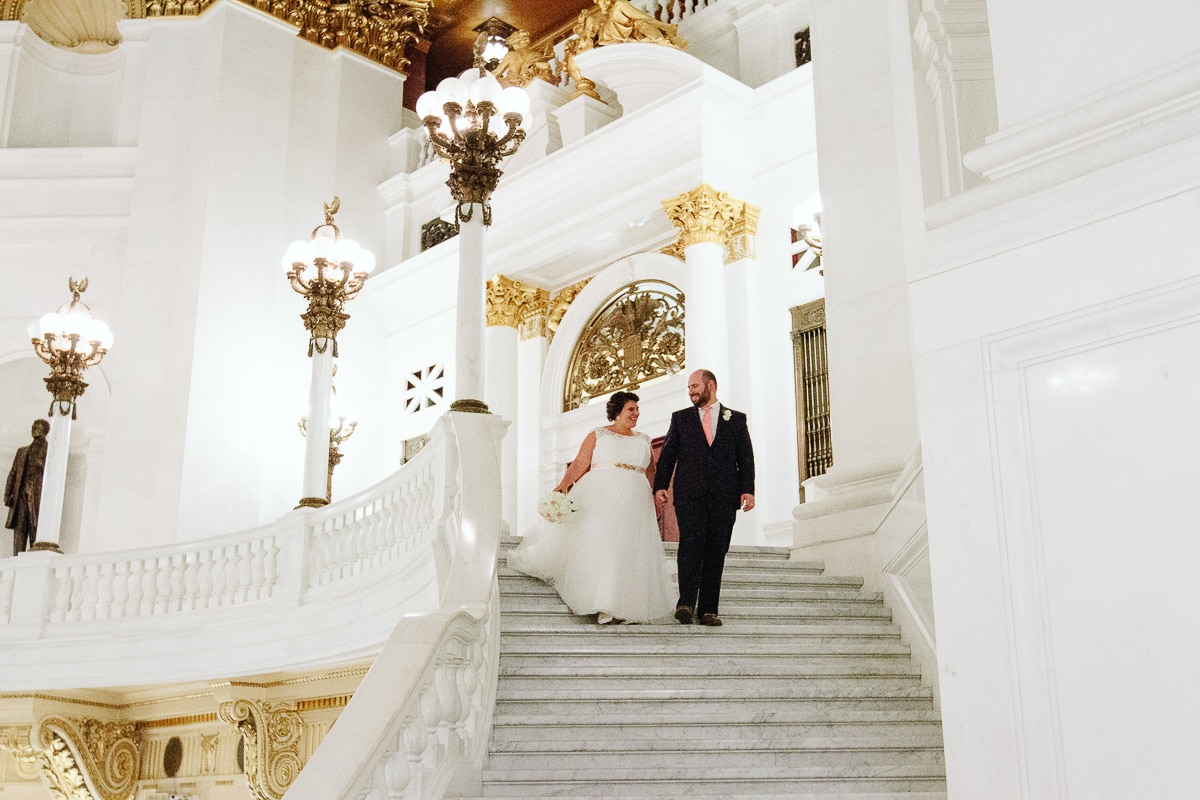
(1108, 43)
(1058, 390)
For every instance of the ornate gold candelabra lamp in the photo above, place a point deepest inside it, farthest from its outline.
(69, 340)
(327, 270)
(459, 116)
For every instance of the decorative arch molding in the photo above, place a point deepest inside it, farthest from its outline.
(87, 759)
(632, 269)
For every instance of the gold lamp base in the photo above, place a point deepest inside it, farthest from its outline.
(468, 406)
(312, 502)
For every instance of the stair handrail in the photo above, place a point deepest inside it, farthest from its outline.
(417, 727)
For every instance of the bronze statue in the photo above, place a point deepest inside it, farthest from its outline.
(23, 490)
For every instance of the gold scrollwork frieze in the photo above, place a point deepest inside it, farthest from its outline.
(272, 734)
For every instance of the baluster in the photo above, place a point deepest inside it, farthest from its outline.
(106, 587)
(271, 565)
(432, 716)
(204, 579)
(74, 609)
(396, 774)
(217, 577)
(175, 581)
(162, 584)
(416, 744)
(245, 581)
(447, 681)
(62, 595)
(6, 591)
(90, 592)
(191, 575)
(149, 586)
(257, 554)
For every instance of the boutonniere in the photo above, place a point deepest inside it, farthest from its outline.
(726, 414)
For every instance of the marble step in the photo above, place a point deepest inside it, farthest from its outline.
(735, 577)
(731, 606)
(687, 667)
(606, 640)
(689, 731)
(669, 781)
(712, 709)
(515, 587)
(793, 717)
(737, 551)
(830, 757)
(550, 620)
(668, 742)
(915, 795)
(714, 687)
(671, 633)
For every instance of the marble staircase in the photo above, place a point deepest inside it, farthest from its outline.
(805, 692)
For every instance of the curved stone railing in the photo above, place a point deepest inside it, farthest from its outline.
(340, 577)
(417, 728)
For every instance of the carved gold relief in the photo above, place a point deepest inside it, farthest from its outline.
(88, 759)
(85, 26)
(509, 302)
(523, 63)
(635, 336)
(612, 22)
(559, 304)
(706, 215)
(272, 736)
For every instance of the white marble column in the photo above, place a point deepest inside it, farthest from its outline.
(872, 227)
(54, 482)
(469, 339)
(709, 222)
(316, 440)
(501, 379)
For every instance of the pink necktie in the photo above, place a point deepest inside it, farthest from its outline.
(706, 421)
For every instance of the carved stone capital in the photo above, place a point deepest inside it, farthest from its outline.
(87, 759)
(272, 736)
(707, 215)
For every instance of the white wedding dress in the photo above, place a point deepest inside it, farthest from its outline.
(607, 556)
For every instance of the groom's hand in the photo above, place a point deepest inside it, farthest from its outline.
(747, 502)
(660, 497)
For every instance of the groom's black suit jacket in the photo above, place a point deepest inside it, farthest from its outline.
(724, 469)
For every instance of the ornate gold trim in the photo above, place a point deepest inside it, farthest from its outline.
(513, 304)
(707, 215)
(88, 759)
(272, 734)
(170, 722)
(558, 305)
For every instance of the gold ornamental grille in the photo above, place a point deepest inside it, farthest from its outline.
(635, 336)
(813, 439)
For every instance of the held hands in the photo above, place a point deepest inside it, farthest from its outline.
(660, 498)
(747, 502)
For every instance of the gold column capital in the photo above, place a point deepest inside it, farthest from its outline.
(513, 304)
(272, 733)
(707, 215)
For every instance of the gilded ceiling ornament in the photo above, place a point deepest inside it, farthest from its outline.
(272, 736)
(523, 63)
(85, 26)
(88, 759)
(558, 305)
(706, 215)
(637, 335)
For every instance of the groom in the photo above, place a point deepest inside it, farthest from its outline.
(708, 450)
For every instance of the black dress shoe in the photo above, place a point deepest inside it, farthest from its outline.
(684, 615)
(711, 620)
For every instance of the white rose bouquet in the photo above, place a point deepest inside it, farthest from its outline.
(554, 507)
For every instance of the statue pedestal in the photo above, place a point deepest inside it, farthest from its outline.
(581, 116)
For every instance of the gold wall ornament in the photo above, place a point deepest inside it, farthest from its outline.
(559, 303)
(510, 302)
(272, 736)
(636, 335)
(707, 215)
(88, 759)
(85, 26)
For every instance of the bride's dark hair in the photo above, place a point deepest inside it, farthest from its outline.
(616, 404)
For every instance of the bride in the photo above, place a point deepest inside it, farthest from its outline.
(607, 557)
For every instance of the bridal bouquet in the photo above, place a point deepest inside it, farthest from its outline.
(554, 507)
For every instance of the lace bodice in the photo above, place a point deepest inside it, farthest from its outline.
(613, 448)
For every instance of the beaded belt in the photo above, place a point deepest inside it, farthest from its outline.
(619, 465)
